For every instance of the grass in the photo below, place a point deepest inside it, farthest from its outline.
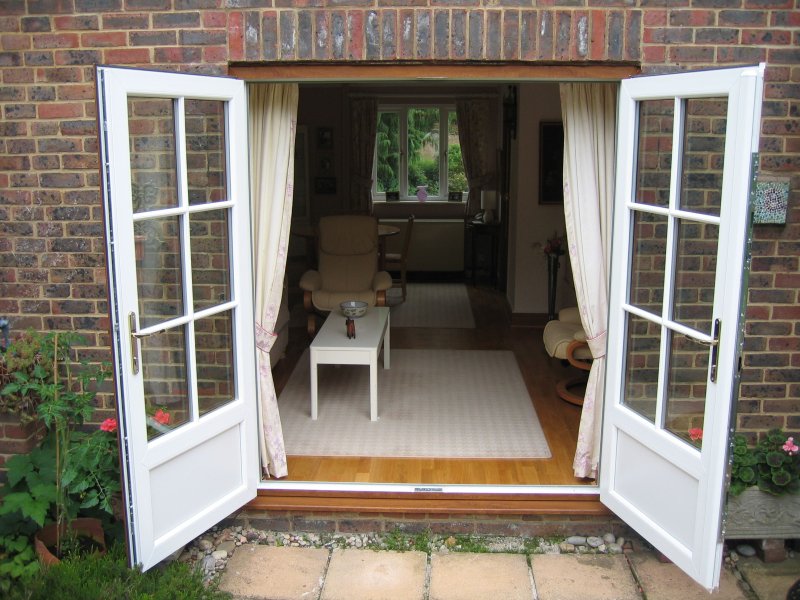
(108, 576)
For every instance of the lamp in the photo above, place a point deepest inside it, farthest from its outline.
(488, 204)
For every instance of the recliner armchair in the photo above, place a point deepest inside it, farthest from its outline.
(347, 267)
(564, 338)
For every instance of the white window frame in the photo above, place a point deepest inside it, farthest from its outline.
(402, 109)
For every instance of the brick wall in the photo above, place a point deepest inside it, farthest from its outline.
(52, 248)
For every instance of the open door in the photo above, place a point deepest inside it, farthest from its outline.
(176, 198)
(687, 146)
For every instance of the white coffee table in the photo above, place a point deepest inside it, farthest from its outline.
(332, 347)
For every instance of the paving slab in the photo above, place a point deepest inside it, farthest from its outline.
(665, 581)
(589, 577)
(372, 575)
(770, 581)
(471, 576)
(275, 573)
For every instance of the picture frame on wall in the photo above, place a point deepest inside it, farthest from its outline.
(551, 162)
(325, 185)
(325, 138)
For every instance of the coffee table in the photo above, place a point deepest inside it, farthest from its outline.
(332, 347)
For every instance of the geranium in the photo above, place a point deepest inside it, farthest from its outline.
(161, 416)
(790, 447)
(696, 434)
(109, 425)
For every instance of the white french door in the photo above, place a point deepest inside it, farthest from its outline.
(176, 198)
(686, 148)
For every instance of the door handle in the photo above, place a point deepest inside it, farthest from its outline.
(713, 343)
(134, 341)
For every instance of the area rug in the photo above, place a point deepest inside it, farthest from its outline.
(431, 403)
(432, 305)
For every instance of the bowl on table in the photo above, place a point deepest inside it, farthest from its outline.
(353, 309)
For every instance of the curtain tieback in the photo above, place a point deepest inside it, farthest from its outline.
(597, 345)
(265, 339)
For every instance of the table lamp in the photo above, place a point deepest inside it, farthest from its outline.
(488, 204)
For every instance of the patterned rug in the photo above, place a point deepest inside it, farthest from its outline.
(432, 305)
(431, 403)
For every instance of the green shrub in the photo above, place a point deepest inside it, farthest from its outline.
(108, 577)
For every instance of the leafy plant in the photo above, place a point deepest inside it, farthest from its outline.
(21, 365)
(773, 464)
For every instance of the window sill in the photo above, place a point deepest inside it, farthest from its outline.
(430, 209)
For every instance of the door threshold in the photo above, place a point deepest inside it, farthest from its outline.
(297, 496)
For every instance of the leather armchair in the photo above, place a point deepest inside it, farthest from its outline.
(347, 269)
(564, 338)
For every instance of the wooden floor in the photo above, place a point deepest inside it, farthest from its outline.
(559, 419)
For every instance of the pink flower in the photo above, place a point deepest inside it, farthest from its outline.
(109, 425)
(695, 434)
(161, 416)
(790, 446)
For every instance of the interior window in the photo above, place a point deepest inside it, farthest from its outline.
(411, 162)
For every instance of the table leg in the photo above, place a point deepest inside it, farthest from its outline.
(313, 388)
(373, 387)
(387, 346)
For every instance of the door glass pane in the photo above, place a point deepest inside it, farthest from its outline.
(641, 366)
(686, 389)
(703, 155)
(388, 150)
(648, 248)
(215, 372)
(210, 258)
(423, 150)
(158, 270)
(207, 178)
(166, 387)
(695, 272)
(654, 152)
(151, 122)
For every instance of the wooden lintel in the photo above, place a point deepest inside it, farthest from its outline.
(384, 503)
(498, 72)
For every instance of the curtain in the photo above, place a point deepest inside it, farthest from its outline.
(363, 129)
(273, 124)
(475, 135)
(589, 114)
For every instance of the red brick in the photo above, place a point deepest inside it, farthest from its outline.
(127, 56)
(654, 54)
(214, 19)
(104, 39)
(653, 17)
(217, 54)
(56, 40)
(15, 41)
(79, 23)
(59, 110)
(236, 36)
(766, 37)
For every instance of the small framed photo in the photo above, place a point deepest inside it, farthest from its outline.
(455, 196)
(551, 162)
(325, 164)
(325, 138)
(392, 196)
(325, 185)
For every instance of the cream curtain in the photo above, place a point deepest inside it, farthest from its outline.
(589, 114)
(363, 129)
(475, 135)
(273, 124)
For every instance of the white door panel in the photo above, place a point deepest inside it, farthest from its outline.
(176, 196)
(685, 148)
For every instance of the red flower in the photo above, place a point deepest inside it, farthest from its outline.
(695, 434)
(161, 416)
(109, 425)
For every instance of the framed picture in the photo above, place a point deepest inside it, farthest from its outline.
(551, 162)
(325, 185)
(455, 196)
(325, 164)
(300, 189)
(325, 138)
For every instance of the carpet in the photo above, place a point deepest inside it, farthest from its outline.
(432, 305)
(431, 403)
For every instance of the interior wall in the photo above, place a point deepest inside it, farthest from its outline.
(533, 223)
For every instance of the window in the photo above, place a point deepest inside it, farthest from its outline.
(410, 158)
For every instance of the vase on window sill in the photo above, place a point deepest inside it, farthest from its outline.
(422, 193)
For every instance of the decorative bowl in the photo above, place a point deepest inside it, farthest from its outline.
(353, 308)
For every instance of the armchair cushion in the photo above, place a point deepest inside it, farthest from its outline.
(559, 334)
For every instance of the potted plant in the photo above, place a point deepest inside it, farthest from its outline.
(763, 497)
(72, 472)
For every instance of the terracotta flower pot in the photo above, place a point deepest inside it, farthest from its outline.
(46, 537)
